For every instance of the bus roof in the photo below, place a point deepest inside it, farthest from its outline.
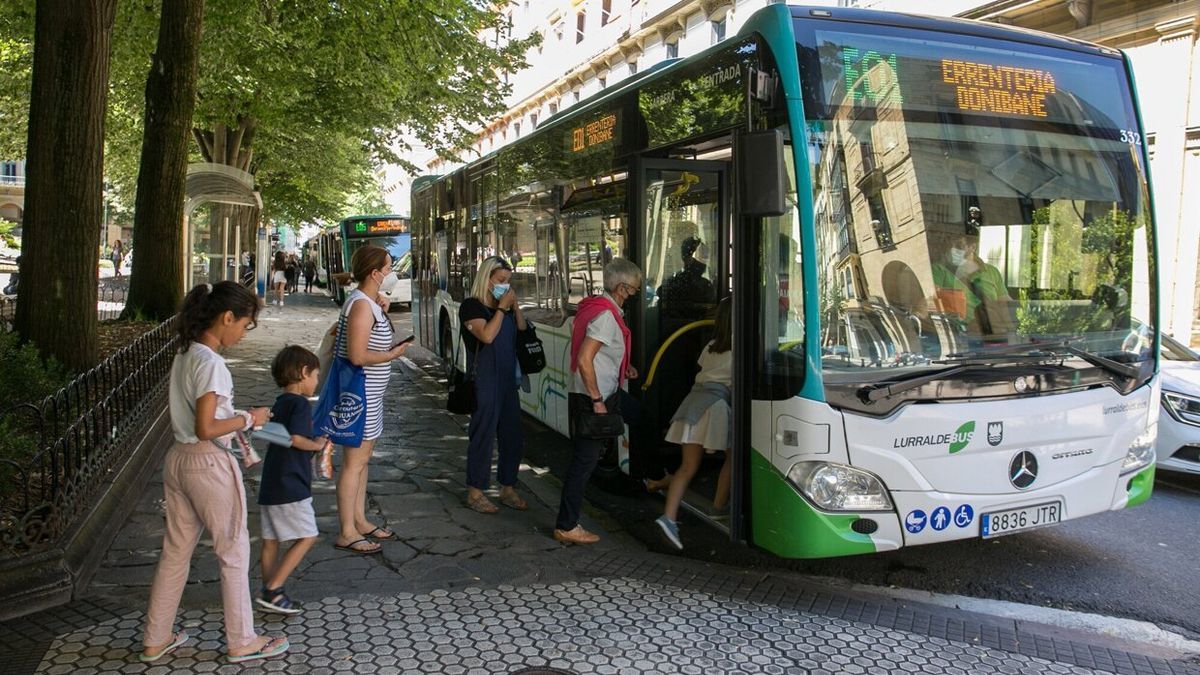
(984, 29)
(839, 14)
(376, 216)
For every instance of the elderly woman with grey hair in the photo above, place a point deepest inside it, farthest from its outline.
(600, 348)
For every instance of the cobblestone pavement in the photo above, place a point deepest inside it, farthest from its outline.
(463, 592)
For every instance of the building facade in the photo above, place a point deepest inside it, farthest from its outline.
(12, 190)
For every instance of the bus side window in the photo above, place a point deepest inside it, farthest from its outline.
(780, 350)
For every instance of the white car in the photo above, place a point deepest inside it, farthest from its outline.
(1179, 424)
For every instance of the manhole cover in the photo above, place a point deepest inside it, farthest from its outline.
(542, 671)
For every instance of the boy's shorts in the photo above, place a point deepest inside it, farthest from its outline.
(286, 522)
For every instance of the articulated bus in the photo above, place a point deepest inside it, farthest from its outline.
(337, 244)
(938, 240)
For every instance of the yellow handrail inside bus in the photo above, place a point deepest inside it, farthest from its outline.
(667, 343)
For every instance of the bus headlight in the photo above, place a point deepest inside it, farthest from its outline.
(1141, 451)
(837, 487)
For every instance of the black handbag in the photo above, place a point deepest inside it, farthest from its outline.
(530, 353)
(460, 399)
(599, 426)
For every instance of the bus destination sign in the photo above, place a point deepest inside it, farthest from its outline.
(981, 87)
(599, 133)
(382, 227)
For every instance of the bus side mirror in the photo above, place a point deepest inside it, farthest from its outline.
(762, 174)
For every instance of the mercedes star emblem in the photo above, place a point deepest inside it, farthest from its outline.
(1023, 469)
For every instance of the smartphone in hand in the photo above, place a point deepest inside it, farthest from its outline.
(406, 340)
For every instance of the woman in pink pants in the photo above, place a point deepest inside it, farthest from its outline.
(202, 480)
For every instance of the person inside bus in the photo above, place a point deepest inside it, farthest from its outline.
(687, 294)
(973, 289)
(491, 318)
(702, 425)
(600, 352)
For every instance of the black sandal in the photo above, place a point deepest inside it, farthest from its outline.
(277, 601)
(361, 551)
(390, 537)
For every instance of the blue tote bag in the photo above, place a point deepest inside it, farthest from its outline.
(341, 411)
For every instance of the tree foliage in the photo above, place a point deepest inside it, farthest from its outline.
(16, 73)
(331, 90)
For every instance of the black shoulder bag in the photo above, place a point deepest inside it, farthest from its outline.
(461, 396)
(530, 354)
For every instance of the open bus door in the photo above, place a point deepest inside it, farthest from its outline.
(683, 215)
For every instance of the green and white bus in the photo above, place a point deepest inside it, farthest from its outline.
(938, 239)
(336, 245)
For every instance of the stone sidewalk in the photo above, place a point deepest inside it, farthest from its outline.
(469, 593)
(416, 487)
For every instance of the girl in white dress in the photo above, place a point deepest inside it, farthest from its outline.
(702, 425)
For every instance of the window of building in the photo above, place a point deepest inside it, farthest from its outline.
(533, 117)
(575, 94)
(603, 82)
(605, 12)
(580, 25)
(516, 129)
(672, 50)
(718, 30)
(553, 108)
(633, 67)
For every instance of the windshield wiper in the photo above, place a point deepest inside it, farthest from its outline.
(870, 393)
(1033, 349)
(1041, 350)
(1116, 367)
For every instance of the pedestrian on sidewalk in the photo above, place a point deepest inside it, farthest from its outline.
(600, 350)
(118, 256)
(279, 276)
(292, 273)
(369, 344)
(491, 318)
(285, 492)
(310, 273)
(701, 425)
(202, 481)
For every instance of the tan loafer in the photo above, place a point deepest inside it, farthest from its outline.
(578, 535)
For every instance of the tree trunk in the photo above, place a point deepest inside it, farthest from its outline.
(155, 282)
(56, 302)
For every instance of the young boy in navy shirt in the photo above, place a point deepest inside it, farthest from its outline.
(285, 494)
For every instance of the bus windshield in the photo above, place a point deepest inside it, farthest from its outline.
(398, 246)
(970, 196)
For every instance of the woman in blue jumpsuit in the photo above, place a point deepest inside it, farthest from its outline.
(490, 319)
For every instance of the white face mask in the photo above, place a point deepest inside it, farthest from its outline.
(389, 281)
(957, 256)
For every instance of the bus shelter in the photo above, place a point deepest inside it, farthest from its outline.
(212, 250)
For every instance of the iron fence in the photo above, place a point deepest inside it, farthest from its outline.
(110, 302)
(78, 436)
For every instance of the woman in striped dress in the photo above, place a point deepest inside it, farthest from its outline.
(369, 343)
